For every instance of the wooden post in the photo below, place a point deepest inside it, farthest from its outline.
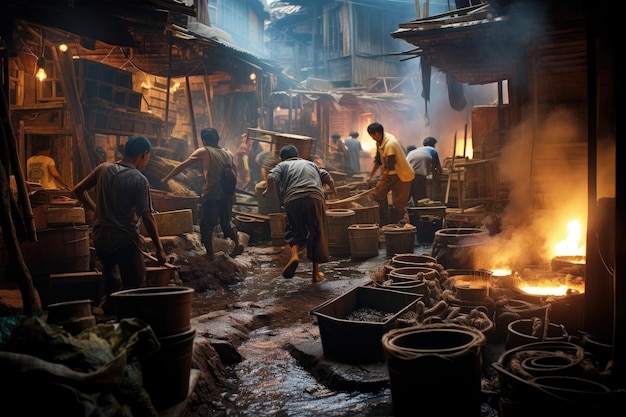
(191, 115)
(30, 303)
(451, 171)
(65, 64)
(167, 92)
(465, 142)
(208, 94)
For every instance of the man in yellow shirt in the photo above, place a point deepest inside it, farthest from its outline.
(396, 175)
(41, 169)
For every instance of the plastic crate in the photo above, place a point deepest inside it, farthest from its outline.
(351, 341)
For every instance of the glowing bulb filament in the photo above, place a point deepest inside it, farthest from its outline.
(41, 74)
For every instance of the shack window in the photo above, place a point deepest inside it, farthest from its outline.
(50, 89)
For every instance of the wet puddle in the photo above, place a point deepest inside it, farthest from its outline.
(270, 381)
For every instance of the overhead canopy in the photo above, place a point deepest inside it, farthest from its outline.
(149, 35)
(476, 45)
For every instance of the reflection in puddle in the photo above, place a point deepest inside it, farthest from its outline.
(276, 385)
(270, 381)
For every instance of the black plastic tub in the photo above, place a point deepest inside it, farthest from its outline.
(352, 341)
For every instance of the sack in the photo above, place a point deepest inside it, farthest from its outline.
(228, 180)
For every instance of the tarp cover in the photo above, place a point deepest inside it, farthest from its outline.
(46, 370)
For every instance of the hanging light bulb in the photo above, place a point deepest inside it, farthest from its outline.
(41, 71)
(63, 47)
(253, 77)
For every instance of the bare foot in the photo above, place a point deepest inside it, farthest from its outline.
(318, 277)
(290, 268)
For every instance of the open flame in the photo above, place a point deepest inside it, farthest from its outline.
(574, 243)
(501, 272)
(572, 247)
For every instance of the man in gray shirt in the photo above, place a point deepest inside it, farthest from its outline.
(300, 183)
(353, 154)
(425, 161)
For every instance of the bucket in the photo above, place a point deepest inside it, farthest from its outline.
(415, 272)
(520, 332)
(402, 260)
(251, 226)
(166, 372)
(426, 228)
(58, 250)
(278, 222)
(158, 276)
(552, 374)
(363, 240)
(74, 316)
(366, 215)
(339, 220)
(166, 309)
(440, 364)
(456, 248)
(399, 239)
(400, 283)
(470, 284)
(600, 349)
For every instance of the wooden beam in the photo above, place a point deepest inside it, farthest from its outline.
(65, 67)
(191, 115)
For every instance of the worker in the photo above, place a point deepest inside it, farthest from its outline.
(42, 169)
(353, 146)
(396, 175)
(217, 206)
(424, 161)
(122, 200)
(301, 183)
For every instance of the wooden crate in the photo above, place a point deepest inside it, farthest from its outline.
(63, 216)
(172, 223)
(170, 202)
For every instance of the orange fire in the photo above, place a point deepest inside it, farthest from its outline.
(572, 247)
(555, 285)
(545, 289)
(501, 272)
(574, 243)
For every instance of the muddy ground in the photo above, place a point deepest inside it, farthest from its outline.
(257, 346)
(253, 330)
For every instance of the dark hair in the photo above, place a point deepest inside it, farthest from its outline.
(288, 151)
(375, 128)
(210, 136)
(136, 145)
(430, 141)
(410, 148)
(336, 136)
(354, 134)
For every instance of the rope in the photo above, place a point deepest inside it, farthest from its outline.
(524, 364)
(391, 342)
